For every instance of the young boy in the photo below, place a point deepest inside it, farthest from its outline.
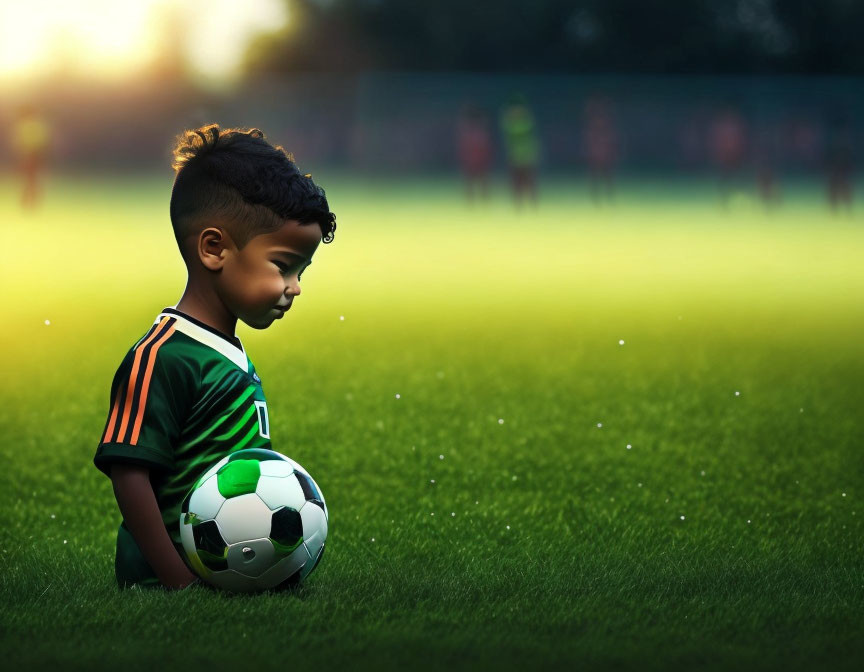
(186, 394)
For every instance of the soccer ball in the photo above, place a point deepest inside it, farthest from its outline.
(254, 521)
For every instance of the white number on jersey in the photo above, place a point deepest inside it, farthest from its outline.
(263, 419)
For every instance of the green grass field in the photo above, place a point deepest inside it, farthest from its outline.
(690, 499)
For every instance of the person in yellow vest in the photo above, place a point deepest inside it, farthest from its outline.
(522, 144)
(30, 140)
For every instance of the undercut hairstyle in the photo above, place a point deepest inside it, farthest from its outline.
(238, 179)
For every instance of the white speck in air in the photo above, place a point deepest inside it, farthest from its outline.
(432, 514)
(398, 396)
(440, 457)
(500, 421)
(341, 318)
(47, 322)
(621, 342)
(599, 424)
(514, 478)
(748, 522)
(682, 517)
(702, 472)
(508, 527)
(373, 539)
(639, 485)
(64, 541)
(476, 502)
(53, 516)
(737, 393)
(629, 447)
(844, 494)
(800, 410)
(453, 514)
(432, 481)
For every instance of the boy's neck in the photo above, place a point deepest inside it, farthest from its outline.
(211, 312)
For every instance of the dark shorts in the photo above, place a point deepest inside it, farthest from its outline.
(130, 567)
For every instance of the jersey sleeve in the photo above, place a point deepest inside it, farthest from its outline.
(150, 401)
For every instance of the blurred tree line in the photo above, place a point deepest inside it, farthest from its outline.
(660, 36)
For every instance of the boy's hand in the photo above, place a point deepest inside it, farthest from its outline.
(138, 505)
(180, 581)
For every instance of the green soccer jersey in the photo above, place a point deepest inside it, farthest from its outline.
(184, 396)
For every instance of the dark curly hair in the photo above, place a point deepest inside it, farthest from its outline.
(236, 177)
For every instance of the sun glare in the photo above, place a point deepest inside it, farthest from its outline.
(106, 39)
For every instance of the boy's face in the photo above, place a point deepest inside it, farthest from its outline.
(259, 283)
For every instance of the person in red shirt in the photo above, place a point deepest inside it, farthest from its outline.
(475, 152)
(601, 149)
(728, 148)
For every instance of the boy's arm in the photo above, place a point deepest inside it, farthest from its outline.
(137, 503)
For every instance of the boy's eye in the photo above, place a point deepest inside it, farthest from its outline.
(285, 269)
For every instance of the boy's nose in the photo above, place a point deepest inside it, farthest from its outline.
(292, 289)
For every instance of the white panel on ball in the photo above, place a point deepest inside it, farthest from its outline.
(278, 492)
(206, 500)
(242, 518)
(277, 468)
(314, 526)
(186, 536)
(298, 467)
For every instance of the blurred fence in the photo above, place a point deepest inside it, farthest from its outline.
(409, 121)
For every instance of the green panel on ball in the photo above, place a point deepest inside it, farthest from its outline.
(200, 568)
(238, 478)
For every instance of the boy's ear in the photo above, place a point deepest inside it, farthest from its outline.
(212, 244)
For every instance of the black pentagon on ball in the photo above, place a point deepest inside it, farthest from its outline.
(310, 492)
(211, 547)
(286, 530)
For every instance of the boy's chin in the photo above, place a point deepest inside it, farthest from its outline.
(258, 322)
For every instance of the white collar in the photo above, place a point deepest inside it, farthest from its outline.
(208, 338)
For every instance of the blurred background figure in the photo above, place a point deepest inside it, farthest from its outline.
(475, 151)
(523, 148)
(728, 150)
(838, 161)
(766, 150)
(601, 148)
(30, 140)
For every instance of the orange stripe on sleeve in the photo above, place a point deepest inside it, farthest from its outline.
(133, 377)
(145, 386)
(113, 419)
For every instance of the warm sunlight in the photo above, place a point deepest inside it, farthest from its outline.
(106, 39)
